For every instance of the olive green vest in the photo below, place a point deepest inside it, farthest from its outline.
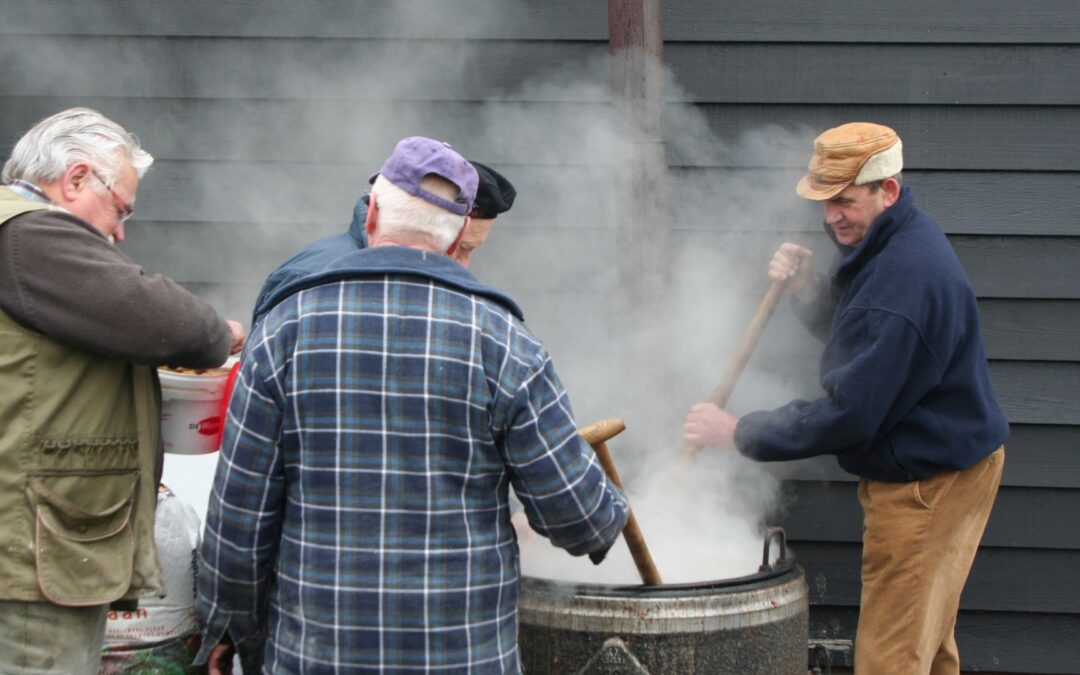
(79, 437)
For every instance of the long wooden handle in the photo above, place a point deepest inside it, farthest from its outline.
(602, 431)
(596, 435)
(750, 338)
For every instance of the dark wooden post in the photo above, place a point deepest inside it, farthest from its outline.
(643, 234)
(637, 87)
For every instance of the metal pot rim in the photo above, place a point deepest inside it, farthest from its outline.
(784, 567)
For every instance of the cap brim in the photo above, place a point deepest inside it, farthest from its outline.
(808, 190)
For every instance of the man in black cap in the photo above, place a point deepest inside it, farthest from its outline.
(494, 195)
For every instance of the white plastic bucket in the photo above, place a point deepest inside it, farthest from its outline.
(191, 407)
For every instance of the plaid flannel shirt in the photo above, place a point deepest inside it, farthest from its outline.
(359, 517)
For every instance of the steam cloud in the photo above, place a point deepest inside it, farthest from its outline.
(288, 142)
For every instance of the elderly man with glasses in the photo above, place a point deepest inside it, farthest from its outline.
(82, 330)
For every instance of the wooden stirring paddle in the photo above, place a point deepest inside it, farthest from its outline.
(750, 339)
(597, 435)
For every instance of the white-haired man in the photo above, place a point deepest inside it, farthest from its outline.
(909, 406)
(360, 518)
(494, 195)
(83, 329)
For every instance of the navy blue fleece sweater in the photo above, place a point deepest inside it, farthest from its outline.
(908, 390)
(311, 260)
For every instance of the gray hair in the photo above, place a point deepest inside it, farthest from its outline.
(875, 185)
(75, 135)
(400, 213)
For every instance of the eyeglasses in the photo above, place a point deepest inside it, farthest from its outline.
(124, 209)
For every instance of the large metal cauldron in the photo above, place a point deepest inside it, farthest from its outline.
(752, 625)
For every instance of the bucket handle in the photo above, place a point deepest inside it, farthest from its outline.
(223, 409)
(770, 534)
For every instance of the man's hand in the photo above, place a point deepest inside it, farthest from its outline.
(707, 425)
(221, 659)
(237, 336)
(795, 264)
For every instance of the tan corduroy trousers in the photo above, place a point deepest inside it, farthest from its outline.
(919, 540)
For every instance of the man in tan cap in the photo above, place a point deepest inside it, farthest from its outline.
(908, 403)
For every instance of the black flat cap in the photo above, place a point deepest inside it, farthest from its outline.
(495, 194)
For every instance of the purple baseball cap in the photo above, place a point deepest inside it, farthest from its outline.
(415, 157)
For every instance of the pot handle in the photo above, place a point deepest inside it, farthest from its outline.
(223, 409)
(770, 534)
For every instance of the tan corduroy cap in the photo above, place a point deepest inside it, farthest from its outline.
(851, 154)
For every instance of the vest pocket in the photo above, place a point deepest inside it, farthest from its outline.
(85, 545)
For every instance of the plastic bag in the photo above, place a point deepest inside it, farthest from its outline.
(161, 636)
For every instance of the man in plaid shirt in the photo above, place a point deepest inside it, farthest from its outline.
(360, 516)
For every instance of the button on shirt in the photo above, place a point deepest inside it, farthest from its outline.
(360, 517)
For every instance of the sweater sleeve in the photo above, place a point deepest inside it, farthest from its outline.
(243, 523)
(63, 279)
(817, 314)
(877, 366)
(566, 495)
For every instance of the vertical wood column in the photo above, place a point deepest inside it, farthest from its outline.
(641, 208)
(643, 234)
